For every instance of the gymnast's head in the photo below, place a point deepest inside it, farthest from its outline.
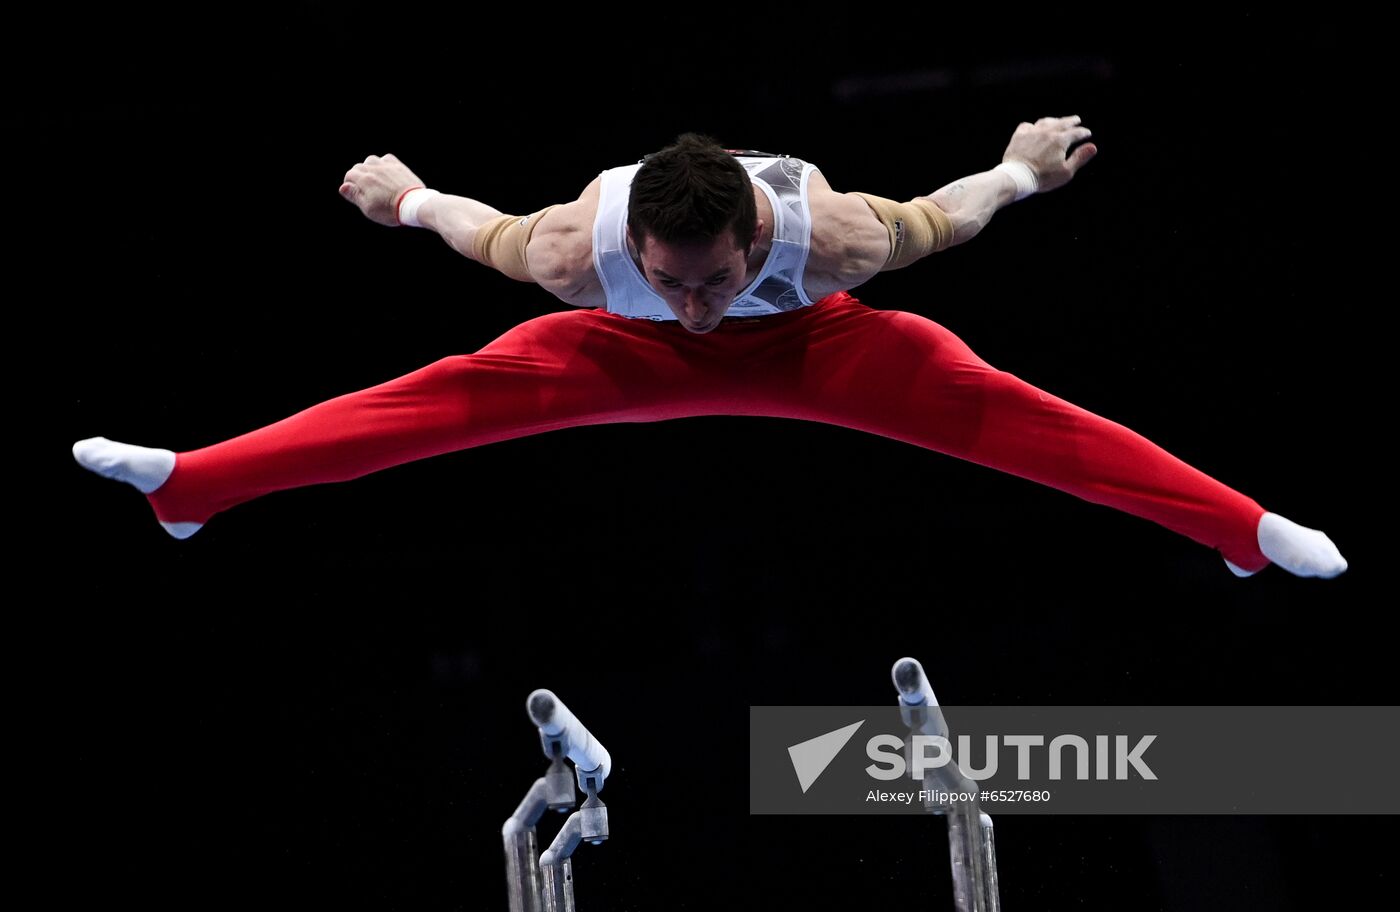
(693, 222)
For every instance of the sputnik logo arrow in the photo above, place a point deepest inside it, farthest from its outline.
(811, 758)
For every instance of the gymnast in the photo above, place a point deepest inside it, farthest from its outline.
(714, 281)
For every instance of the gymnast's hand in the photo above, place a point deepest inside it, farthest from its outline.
(375, 185)
(1043, 144)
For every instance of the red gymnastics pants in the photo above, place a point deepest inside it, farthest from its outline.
(840, 362)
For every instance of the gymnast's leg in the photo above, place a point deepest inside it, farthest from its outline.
(556, 371)
(903, 376)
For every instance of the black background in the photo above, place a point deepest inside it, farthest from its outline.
(318, 700)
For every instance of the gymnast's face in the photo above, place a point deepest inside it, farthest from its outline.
(697, 281)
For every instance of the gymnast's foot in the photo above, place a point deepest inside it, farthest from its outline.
(143, 468)
(1297, 549)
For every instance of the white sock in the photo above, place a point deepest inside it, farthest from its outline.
(1297, 549)
(1239, 571)
(144, 468)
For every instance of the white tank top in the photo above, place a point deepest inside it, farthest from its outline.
(778, 287)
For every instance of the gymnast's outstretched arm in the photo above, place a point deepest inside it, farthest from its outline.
(1042, 147)
(388, 193)
(866, 234)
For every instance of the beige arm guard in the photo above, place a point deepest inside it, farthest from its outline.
(917, 228)
(500, 243)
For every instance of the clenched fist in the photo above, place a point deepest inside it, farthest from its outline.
(375, 186)
(1043, 146)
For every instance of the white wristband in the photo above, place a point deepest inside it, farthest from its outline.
(408, 206)
(1021, 173)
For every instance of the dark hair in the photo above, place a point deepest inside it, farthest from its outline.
(691, 192)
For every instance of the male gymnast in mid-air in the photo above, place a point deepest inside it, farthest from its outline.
(712, 281)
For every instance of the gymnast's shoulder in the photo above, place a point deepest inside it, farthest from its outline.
(848, 245)
(560, 252)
